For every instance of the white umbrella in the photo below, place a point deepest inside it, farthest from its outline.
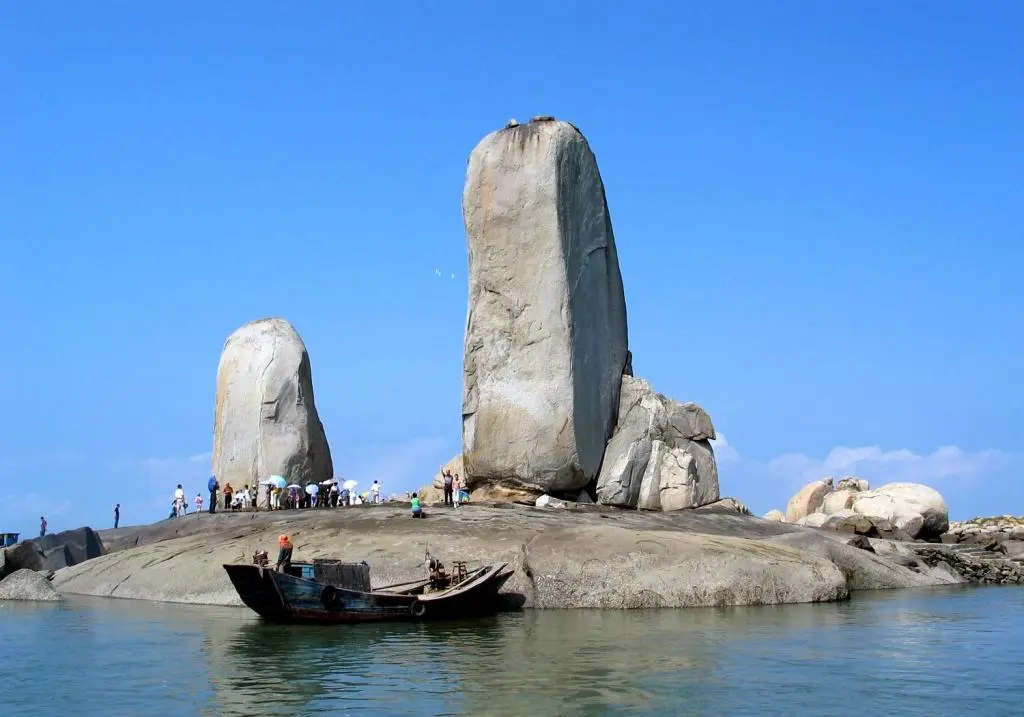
(295, 486)
(349, 484)
(312, 489)
(329, 481)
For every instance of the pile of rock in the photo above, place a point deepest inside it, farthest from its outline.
(898, 511)
(550, 405)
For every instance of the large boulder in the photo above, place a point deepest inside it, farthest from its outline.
(660, 456)
(23, 556)
(837, 501)
(27, 585)
(79, 544)
(775, 515)
(546, 340)
(808, 499)
(265, 420)
(915, 509)
(923, 500)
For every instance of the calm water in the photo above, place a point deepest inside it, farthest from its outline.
(948, 652)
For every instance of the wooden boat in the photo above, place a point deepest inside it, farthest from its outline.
(330, 591)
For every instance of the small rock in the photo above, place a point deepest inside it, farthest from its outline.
(547, 501)
(775, 515)
(814, 520)
(512, 123)
(27, 585)
(543, 118)
(861, 542)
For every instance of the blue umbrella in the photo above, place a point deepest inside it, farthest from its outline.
(312, 489)
(278, 481)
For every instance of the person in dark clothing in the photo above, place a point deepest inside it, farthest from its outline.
(284, 555)
(42, 527)
(448, 485)
(214, 487)
(117, 515)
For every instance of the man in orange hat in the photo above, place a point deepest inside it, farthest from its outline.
(284, 555)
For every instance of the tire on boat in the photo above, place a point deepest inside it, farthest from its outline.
(418, 609)
(330, 599)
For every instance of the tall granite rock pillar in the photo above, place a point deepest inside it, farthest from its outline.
(546, 339)
(265, 419)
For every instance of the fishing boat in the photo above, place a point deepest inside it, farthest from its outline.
(332, 591)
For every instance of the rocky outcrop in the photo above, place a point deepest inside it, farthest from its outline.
(898, 510)
(27, 585)
(775, 515)
(562, 558)
(265, 420)
(660, 456)
(546, 339)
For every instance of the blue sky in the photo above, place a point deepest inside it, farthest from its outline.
(818, 210)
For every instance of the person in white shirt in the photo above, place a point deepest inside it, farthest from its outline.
(375, 492)
(179, 500)
(199, 503)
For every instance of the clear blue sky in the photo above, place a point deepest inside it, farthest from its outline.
(819, 211)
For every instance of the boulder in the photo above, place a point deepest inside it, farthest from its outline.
(859, 541)
(660, 456)
(727, 505)
(3, 562)
(26, 584)
(914, 509)
(502, 494)
(430, 495)
(546, 339)
(847, 521)
(546, 501)
(838, 500)
(814, 520)
(924, 501)
(808, 499)
(775, 515)
(56, 558)
(455, 465)
(24, 556)
(857, 485)
(80, 544)
(265, 420)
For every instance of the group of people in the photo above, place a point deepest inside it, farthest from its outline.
(454, 488)
(288, 498)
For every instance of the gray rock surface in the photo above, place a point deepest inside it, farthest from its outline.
(266, 421)
(584, 556)
(546, 338)
(23, 556)
(660, 456)
(27, 585)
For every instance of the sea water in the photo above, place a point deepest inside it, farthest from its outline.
(947, 651)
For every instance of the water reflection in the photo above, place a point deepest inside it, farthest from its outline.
(892, 652)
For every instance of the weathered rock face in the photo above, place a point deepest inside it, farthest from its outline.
(546, 339)
(265, 419)
(27, 585)
(775, 515)
(660, 456)
(808, 500)
(922, 500)
(838, 500)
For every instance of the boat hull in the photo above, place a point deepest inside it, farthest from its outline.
(286, 598)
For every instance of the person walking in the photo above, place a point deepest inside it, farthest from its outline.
(42, 526)
(117, 515)
(213, 486)
(446, 476)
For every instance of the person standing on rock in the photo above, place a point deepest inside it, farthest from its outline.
(448, 485)
(213, 486)
(199, 503)
(117, 515)
(228, 492)
(42, 526)
(179, 500)
(375, 492)
(456, 487)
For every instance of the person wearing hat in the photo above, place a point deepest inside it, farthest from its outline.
(284, 555)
